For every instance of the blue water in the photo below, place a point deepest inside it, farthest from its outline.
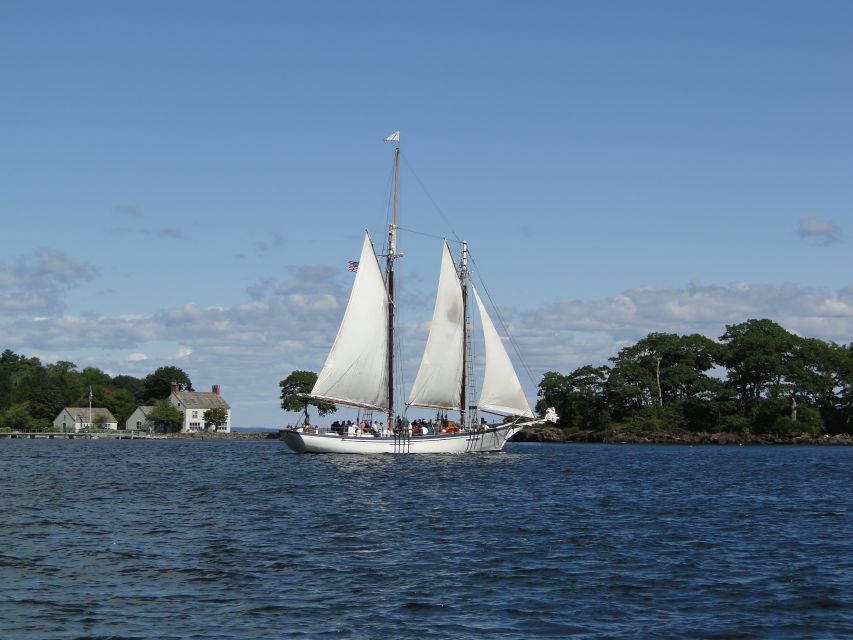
(230, 539)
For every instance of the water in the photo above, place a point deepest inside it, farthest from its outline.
(178, 539)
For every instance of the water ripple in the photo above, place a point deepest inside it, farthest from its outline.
(234, 540)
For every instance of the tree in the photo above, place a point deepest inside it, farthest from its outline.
(94, 377)
(98, 422)
(755, 352)
(45, 400)
(554, 392)
(158, 385)
(166, 417)
(293, 388)
(17, 417)
(120, 402)
(134, 386)
(578, 398)
(215, 417)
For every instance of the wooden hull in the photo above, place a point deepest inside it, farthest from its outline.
(489, 440)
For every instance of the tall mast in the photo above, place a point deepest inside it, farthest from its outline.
(392, 255)
(463, 277)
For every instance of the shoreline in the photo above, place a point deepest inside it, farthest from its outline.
(674, 436)
(547, 435)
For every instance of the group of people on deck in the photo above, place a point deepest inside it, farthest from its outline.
(402, 426)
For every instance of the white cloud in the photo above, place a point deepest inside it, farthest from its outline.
(570, 333)
(249, 347)
(35, 283)
(822, 230)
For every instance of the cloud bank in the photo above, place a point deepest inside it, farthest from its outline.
(289, 324)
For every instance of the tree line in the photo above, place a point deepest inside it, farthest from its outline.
(758, 378)
(33, 393)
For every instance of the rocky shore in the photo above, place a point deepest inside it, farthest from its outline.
(234, 435)
(672, 436)
(608, 436)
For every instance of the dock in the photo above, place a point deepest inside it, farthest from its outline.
(81, 435)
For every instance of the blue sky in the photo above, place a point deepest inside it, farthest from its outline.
(183, 183)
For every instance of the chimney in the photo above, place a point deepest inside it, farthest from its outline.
(175, 387)
(216, 389)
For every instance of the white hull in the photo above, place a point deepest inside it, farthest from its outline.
(489, 440)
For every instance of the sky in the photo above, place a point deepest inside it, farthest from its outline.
(183, 183)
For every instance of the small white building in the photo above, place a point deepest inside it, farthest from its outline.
(139, 421)
(193, 404)
(74, 419)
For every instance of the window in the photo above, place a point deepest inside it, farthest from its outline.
(195, 414)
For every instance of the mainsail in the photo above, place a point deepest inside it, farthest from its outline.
(501, 391)
(356, 372)
(439, 380)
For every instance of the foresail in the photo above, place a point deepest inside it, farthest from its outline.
(439, 380)
(501, 391)
(355, 372)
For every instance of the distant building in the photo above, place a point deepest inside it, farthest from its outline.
(193, 404)
(74, 419)
(139, 420)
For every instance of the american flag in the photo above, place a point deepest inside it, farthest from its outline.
(352, 265)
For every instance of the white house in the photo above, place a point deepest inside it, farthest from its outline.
(139, 420)
(193, 404)
(78, 419)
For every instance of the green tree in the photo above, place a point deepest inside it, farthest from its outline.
(293, 388)
(17, 417)
(842, 421)
(98, 422)
(45, 400)
(166, 417)
(158, 385)
(120, 402)
(68, 381)
(15, 373)
(579, 398)
(755, 353)
(215, 417)
(94, 377)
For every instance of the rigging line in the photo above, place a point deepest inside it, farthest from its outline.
(432, 200)
(428, 235)
(503, 322)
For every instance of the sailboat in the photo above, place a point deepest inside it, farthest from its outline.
(359, 369)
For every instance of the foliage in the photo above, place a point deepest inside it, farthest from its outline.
(759, 378)
(578, 397)
(98, 422)
(158, 385)
(215, 417)
(17, 417)
(292, 399)
(166, 417)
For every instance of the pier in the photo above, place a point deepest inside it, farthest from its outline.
(80, 435)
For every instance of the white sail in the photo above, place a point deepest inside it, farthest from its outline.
(356, 372)
(439, 380)
(501, 392)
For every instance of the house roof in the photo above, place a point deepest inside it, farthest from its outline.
(81, 414)
(201, 400)
(145, 409)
